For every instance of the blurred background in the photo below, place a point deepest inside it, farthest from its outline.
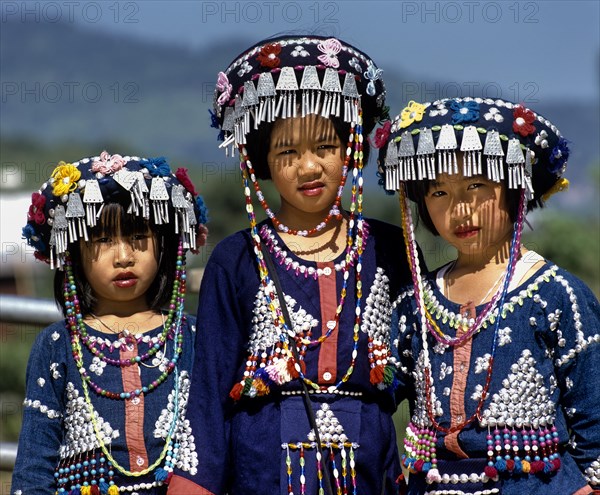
(138, 77)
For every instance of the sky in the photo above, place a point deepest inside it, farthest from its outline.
(524, 51)
(519, 50)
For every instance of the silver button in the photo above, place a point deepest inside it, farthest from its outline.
(135, 401)
(140, 461)
(327, 271)
(327, 376)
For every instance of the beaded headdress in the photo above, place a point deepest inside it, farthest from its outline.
(502, 140)
(295, 76)
(72, 199)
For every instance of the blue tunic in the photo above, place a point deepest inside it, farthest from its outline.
(255, 444)
(545, 387)
(58, 438)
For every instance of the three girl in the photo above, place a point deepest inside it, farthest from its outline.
(500, 349)
(293, 382)
(107, 387)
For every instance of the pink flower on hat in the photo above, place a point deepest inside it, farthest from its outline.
(224, 87)
(268, 55)
(382, 134)
(36, 210)
(523, 123)
(330, 49)
(108, 163)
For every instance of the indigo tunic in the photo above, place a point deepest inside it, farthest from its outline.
(543, 398)
(58, 440)
(263, 444)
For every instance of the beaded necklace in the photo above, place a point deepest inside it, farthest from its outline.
(78, 332)
(426, 438)
(299, 269)
(334, 212)
(284, 368)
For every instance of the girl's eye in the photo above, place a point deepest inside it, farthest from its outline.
(286, 152)
(102, 240)
(327, 147)
(438, 194)
(475, 185)
(140, 237)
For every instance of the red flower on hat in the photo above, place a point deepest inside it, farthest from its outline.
(523, 123)
(382, 134)
(182, 176)
(36, 210)
(268, 55)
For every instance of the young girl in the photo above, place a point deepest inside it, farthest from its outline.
(299, 110)
(107, 388)
(500, 347)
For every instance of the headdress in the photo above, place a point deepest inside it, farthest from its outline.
(502, 140)
(294, 76)
(72, 199)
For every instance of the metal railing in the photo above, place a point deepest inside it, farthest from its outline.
(30, 311)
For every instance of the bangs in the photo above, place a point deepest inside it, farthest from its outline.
(115, 221)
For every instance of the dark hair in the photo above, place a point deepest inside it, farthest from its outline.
(417, 190)
(114, 220)
(258, 143)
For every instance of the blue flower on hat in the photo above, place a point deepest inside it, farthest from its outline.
(464, 111)
(33, 239)
(157, 167)
(559, 155)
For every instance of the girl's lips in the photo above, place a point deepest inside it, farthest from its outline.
(466, 232)
(312, 188)
(125, 280)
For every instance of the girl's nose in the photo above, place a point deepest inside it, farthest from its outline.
(309, 164)
(123, 254)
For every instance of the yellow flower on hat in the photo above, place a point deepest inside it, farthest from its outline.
(413, 112)
(65, 178)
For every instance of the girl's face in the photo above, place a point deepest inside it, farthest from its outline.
(120, 269)
(470, 213)
(305, 159)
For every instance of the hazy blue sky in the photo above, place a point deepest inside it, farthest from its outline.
(525, 50)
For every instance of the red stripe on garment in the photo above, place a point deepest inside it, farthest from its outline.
(134, 411)
(328, 298)
(460, 365)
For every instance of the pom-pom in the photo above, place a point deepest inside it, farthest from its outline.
(490, 471)
(86, 490)
(556, 463)
(501, 465)
(113, 490)
(389, 375)
(518, 466)
(419, 465)
(433, 476)
(236, 391)
(426, 467)
(161, 474)
(536, 467)
(526, 466)
(103, 485)
(169, 476)
(95, 490)
(376, 375)
(510, 464)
